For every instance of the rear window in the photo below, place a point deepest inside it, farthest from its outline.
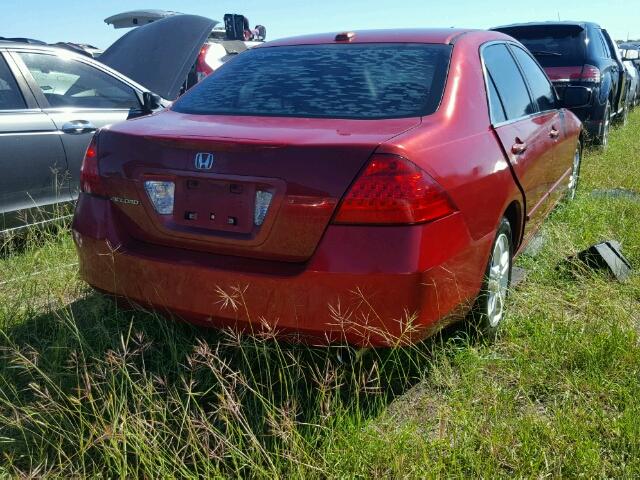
(552, 46)
(359, 81)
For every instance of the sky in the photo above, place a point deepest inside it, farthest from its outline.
(82, 21)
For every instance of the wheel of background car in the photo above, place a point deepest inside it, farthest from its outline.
(624, 119)
(603, 137)
(575, 172)
(489, 310)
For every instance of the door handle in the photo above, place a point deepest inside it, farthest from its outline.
(554, 133)
(518, 147)
(78, 127)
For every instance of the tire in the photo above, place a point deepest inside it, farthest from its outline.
(623, 118)
(625, 115)
(575, 173)
(603, 137)
(488, 312)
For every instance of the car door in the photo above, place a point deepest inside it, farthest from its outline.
(600, 57)
(618, 77)
(562, 146)
(32, 159)
(79, 98)
(521, 128)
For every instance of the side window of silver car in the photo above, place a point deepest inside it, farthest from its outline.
(70, 83)
(10, 95)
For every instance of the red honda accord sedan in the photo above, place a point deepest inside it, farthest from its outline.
(365, 187)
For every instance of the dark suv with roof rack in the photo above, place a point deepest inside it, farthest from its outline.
(581, 54)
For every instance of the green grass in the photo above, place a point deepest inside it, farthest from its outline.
(90, 389)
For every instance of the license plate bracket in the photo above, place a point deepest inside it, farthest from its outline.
(218, 205)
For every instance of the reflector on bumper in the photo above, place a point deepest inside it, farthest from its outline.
(161, 195)
(263, 200)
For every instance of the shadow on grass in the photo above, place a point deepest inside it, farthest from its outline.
(71, 375)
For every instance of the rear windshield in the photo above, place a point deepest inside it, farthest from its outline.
(552, 46)
(359, 81)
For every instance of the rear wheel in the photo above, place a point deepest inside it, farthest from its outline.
(623, 117)
(575, 172)
(603, 137)
(489, 310)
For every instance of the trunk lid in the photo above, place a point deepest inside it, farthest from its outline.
(303, 166)
(159, 55)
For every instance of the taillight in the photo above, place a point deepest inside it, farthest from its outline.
(589, 73)
(202, 67)
(393, 190)
(90, 181)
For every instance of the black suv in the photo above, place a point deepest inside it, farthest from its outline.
(582, 54)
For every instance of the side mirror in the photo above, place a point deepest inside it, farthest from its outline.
(630, 55)
(150, 103)
(575, 97)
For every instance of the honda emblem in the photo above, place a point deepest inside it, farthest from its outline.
(203, 161)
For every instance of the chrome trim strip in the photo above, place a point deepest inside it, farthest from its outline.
(526, 117)
(43, 132)
(20, 111)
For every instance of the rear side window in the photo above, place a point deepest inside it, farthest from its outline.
(10, 96)
(553, 46)
(495, 102)
(539, 84)
(598, 45)
(509, 83)
(605, 44)
(359, 81)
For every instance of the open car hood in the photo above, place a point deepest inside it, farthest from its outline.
(159, 55)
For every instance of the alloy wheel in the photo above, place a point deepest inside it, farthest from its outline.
(605, 129)
(625, 115)
(498, 281)
(575, 173)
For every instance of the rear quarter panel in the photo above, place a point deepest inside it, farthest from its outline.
(572, 131)
(458, 147)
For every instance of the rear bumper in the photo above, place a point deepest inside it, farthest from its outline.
(364, 285)
(593, 110)
(590, 115)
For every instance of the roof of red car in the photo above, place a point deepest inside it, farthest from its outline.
(423, 35)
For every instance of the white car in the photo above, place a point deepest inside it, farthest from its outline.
(631, 61)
